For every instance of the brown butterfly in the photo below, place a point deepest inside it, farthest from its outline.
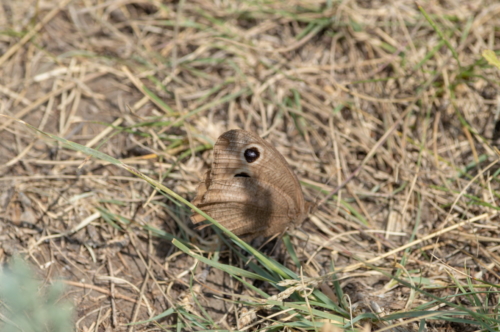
(251, 190)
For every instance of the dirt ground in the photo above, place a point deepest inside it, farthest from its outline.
(387, 104)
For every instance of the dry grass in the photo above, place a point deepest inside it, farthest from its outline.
(396, 95)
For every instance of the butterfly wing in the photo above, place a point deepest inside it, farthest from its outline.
(250, 197)
(244, 206)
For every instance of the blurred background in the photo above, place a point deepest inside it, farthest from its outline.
(393, 96)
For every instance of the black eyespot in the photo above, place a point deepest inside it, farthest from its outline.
(251, 155)
(242, 175)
